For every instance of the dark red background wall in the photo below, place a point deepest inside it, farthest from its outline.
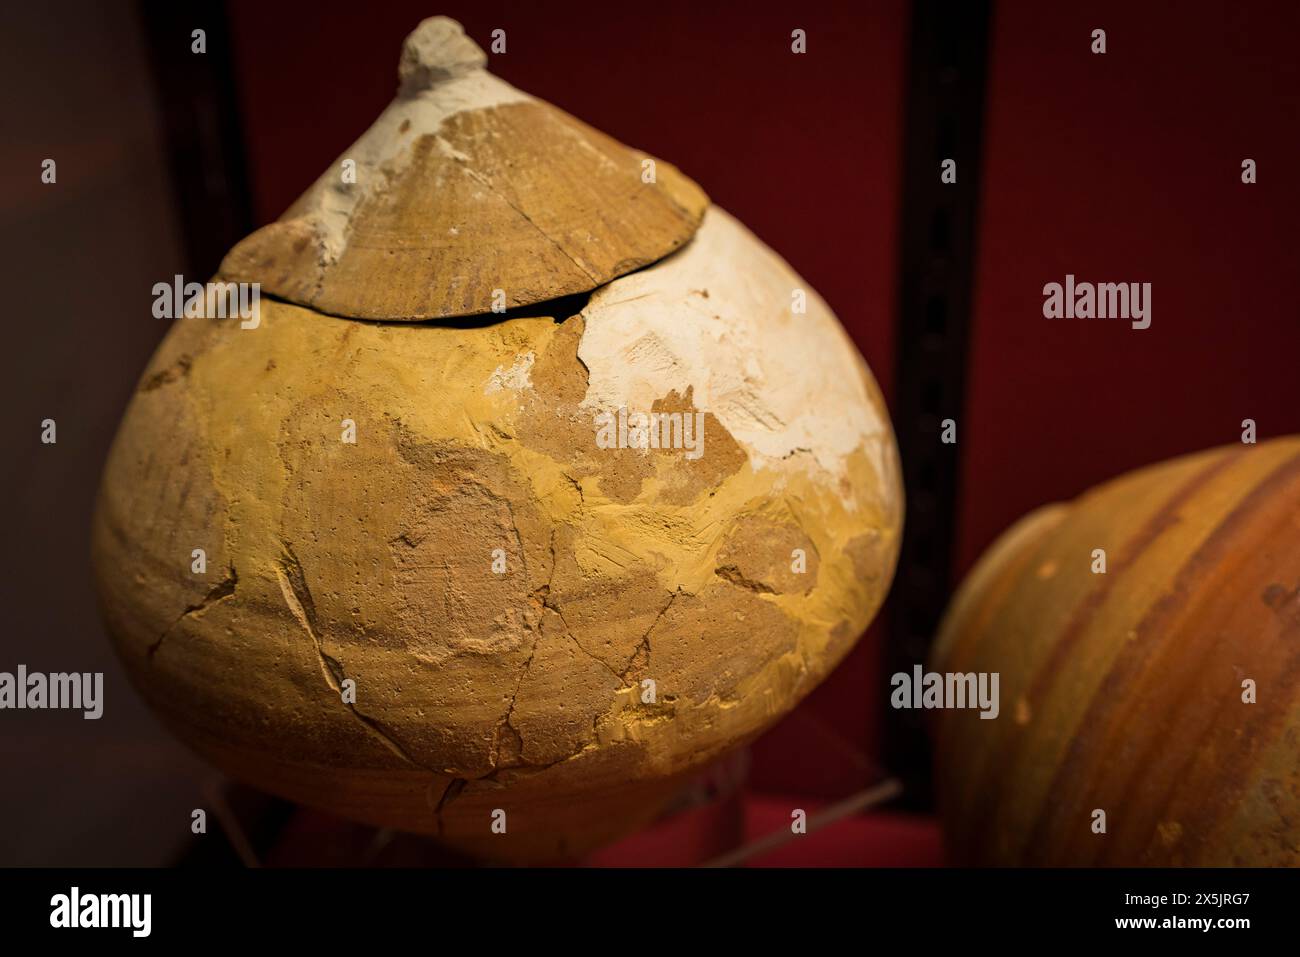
(1119, 167)
(1127, 166)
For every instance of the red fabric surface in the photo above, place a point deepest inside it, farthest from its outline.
(872, 839)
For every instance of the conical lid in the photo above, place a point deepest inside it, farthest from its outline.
(467, 195)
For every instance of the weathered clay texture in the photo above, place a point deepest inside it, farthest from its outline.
(372, 562)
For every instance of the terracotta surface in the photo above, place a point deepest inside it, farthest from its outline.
(1123, 691)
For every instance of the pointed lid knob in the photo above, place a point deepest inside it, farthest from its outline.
(464, 196)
